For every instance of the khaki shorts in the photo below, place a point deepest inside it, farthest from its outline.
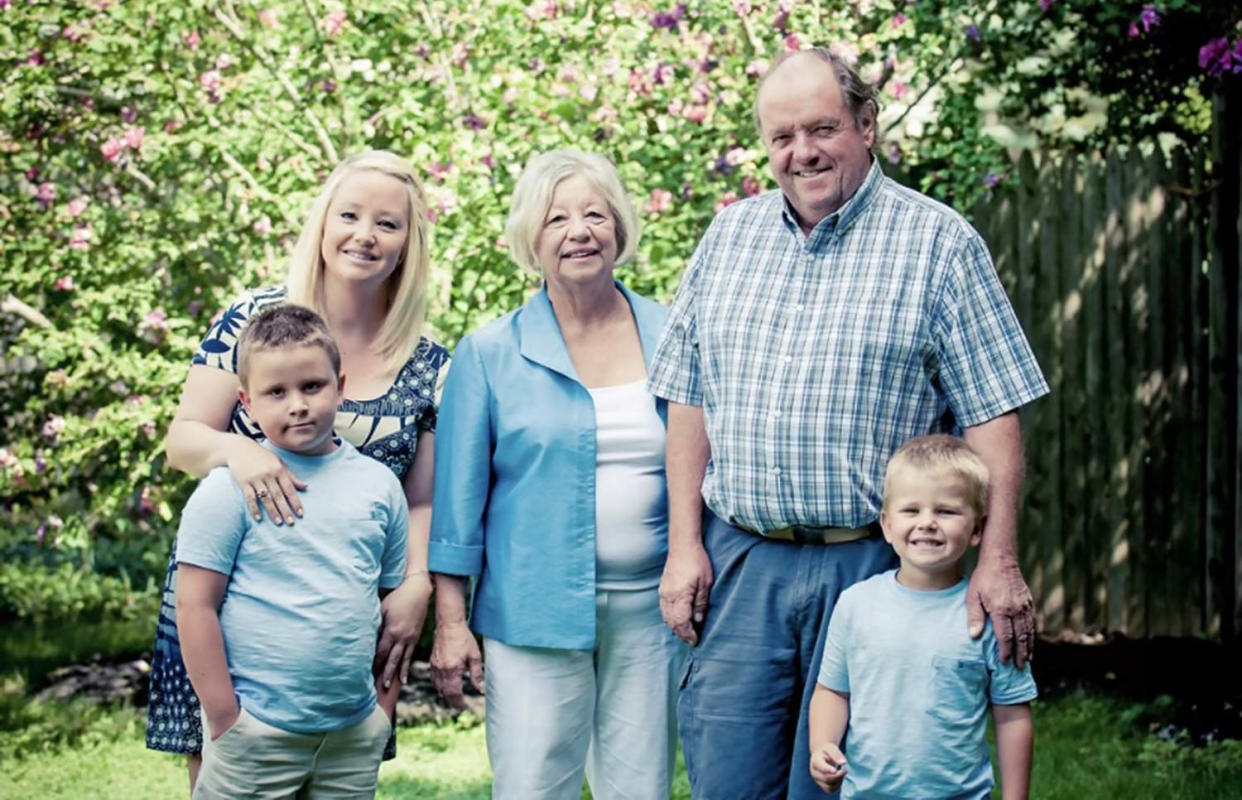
(255, 760)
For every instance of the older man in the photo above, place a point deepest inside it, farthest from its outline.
(815, 330)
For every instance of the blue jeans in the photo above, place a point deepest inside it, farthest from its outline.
(742, 712)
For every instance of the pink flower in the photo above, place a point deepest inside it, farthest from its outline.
(32, 174)
(80, 240)
(111, 148)
(172, 126)
(750, 186)
(662, 74)
(1044, 5)
(542, 9)
(54, 425)
(35, 58)
(64, 284)
(74, 32)
(128, 114)
(133, 136)
(898, 20)
(268, 17)
(262, 226)
(727, 199)
(145, 504)
(661, 201)
(899, 90)
(695, 113)
(191, 39)
(4, 4)
(209, 80)
(756, 68)
(1134, 31)
(7, 459)
(333, 23)
(224, 61)
(153, 326)
(588, 91)
(45, 193)
(639, 84)
(792, 42)
(700, 93)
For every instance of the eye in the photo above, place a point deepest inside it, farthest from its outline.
(825, 130)
(276, 392)
(348, 216)
(310, 387)
(555, 219)
(781, 138)
(595, 215)
(389, 224)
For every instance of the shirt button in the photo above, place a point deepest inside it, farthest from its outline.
(786, 359)
(776, 470)
(776, 414)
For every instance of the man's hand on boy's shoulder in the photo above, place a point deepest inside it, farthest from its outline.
(998, 590)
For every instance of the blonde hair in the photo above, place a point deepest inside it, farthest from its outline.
(533, 196)
(939, 453)
(406, 287)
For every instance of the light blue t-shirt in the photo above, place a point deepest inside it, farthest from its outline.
(301, 612)
(919, 690)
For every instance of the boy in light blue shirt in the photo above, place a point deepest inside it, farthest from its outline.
(278, 623)
(902, 682)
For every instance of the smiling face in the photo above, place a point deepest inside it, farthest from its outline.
(817, 152)
(291, 393)
(929, 520)
(577, 244)
(366, 229)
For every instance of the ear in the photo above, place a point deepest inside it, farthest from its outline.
(340, 385)
(976, 536)
(244, 398)
(884, 526)
(866, 123)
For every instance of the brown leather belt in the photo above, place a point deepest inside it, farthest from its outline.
(804, 534)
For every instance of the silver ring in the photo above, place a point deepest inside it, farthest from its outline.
(262, 493)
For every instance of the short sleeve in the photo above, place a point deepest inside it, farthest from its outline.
(1008, 685)
(436, 360)
(212, 523)
(463, 467)
(987, 367)
(396, 537)
(675, 370)
(834, 672)
(219, 346)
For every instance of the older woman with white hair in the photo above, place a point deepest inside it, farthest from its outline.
(550, 491)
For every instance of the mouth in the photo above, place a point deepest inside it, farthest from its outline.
(361, 255)
(925, 543)
(809, 173)
(300, 426)
(580, 253)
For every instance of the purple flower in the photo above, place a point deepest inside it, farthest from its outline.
(474, 122)
(40, 532)
(1133, 32)
(45, 193)
(991, 180)
(40, 465)
(668, 19)
(128, 115)
(1044, 5)
(972, 33)
(1216, 57)
(53, 426)
(1149, 18)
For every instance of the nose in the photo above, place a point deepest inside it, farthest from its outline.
(578, 231)
(297, 404)
(365, 234)
(927, 519)
(804, 153)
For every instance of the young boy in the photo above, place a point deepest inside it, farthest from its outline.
(278, 623)
(900, 670)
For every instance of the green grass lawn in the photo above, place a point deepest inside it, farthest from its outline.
(1087, 746)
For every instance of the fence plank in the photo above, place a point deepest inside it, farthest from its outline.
(1114, 402)
(1093, 421)
(1070, 255)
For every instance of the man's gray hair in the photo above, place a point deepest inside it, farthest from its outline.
(860, 96)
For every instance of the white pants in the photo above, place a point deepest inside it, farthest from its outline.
(551, 714)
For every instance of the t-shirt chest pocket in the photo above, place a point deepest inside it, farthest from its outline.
(959, 685)
(365, 532)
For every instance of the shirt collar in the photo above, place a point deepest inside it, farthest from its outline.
(542, 342)
(840, 220)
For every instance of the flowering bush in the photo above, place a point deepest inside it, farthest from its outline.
(157, 158)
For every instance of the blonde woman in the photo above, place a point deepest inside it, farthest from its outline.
(361, 261)
(550, 491)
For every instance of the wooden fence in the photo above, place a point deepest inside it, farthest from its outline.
(1124, 271)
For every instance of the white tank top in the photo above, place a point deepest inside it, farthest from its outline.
(631, 503)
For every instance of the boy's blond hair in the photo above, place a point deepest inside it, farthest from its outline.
(939, 453)
(281, 326)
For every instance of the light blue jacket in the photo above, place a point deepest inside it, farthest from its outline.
(515, 477)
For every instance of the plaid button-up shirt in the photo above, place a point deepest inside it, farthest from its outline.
(815, 357)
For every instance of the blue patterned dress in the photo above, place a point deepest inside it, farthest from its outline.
(385, 428)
